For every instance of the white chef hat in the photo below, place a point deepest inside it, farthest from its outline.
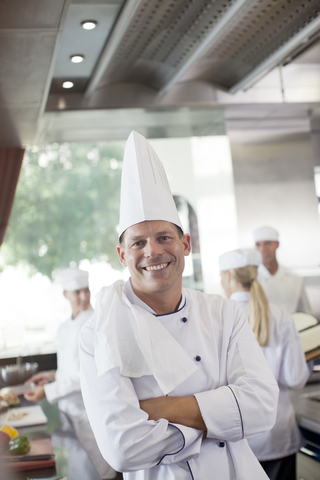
(73, 279)
(239, 258)
(265, 233)
(145, 191)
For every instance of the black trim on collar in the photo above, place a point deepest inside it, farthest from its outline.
(166, 314)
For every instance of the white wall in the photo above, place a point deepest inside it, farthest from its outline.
(200, 170)
(274, 186)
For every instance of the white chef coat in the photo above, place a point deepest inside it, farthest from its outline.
(284, 290)
(66, 388)
(234, 387)
(286, 359)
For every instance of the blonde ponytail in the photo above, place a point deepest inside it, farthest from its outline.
(258, 303)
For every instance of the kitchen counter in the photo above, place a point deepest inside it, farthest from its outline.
(72, 462)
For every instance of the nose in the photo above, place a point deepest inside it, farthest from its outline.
(83, 296)
(152, 249)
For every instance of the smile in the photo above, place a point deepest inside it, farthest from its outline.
(156, 267)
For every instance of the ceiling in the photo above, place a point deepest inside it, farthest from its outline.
(164, 67)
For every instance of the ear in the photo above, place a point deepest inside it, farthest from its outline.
(277, 245)
(186, 240)
(122, 255)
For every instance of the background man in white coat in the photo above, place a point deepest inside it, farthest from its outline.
(281, 288)
(63, 385)
(173, 380)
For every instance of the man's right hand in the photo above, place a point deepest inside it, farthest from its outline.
(42, 378)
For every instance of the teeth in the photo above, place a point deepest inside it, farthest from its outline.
(156, 267)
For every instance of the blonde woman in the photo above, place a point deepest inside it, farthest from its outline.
(276, 334)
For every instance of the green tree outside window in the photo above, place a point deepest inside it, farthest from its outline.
(66, 207)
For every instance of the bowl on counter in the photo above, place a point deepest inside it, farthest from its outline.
(15, 374)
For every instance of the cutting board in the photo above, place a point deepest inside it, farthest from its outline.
(31, 416)
(38, 447)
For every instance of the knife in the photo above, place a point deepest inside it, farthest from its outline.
(17, 389)
(31, 458)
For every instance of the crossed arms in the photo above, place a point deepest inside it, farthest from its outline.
(181, 410)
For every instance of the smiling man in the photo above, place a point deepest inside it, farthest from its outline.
(154, 253)
(173, 380)
(281, 288)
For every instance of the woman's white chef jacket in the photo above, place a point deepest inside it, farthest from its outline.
(66, 388)
(284, 290)
(286, 359)
(235, 390)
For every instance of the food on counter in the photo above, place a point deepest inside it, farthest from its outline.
(4, 442)
(12, 432)
(17, 416)
(19, 445)
(10, 399)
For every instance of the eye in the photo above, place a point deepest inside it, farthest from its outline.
(164, 238)
(77, 292)
(137, 244)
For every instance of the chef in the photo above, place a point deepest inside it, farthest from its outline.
(173, 380)
(280, 343)
(63, 385)
(281, 288)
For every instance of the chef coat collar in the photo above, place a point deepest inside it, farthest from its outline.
(241, 297)
(89, 309)
(264, 272)
(131, 338)
(135, 300)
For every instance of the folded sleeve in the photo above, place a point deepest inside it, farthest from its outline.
(126, 438)
(247, 405)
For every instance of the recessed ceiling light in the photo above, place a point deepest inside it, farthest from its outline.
(67, 84)
(89, 24)
(77, 58)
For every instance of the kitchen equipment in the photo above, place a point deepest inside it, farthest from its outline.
(30, 458)
(17, 389)
(41, 449)
(23, 416)
(3, 406)
(18, 373)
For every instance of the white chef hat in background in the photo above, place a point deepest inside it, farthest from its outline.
(239, 258)
(145, 191)
(73, 279)
(265, 233)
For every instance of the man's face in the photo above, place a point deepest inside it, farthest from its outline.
(154, 254)
(267, 248)
(79, 299)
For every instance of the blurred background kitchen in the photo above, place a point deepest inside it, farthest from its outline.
(227, 92)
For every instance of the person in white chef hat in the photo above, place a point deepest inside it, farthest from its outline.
(281, 288)
(173, 380)
(280, 343)
(63, 385)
